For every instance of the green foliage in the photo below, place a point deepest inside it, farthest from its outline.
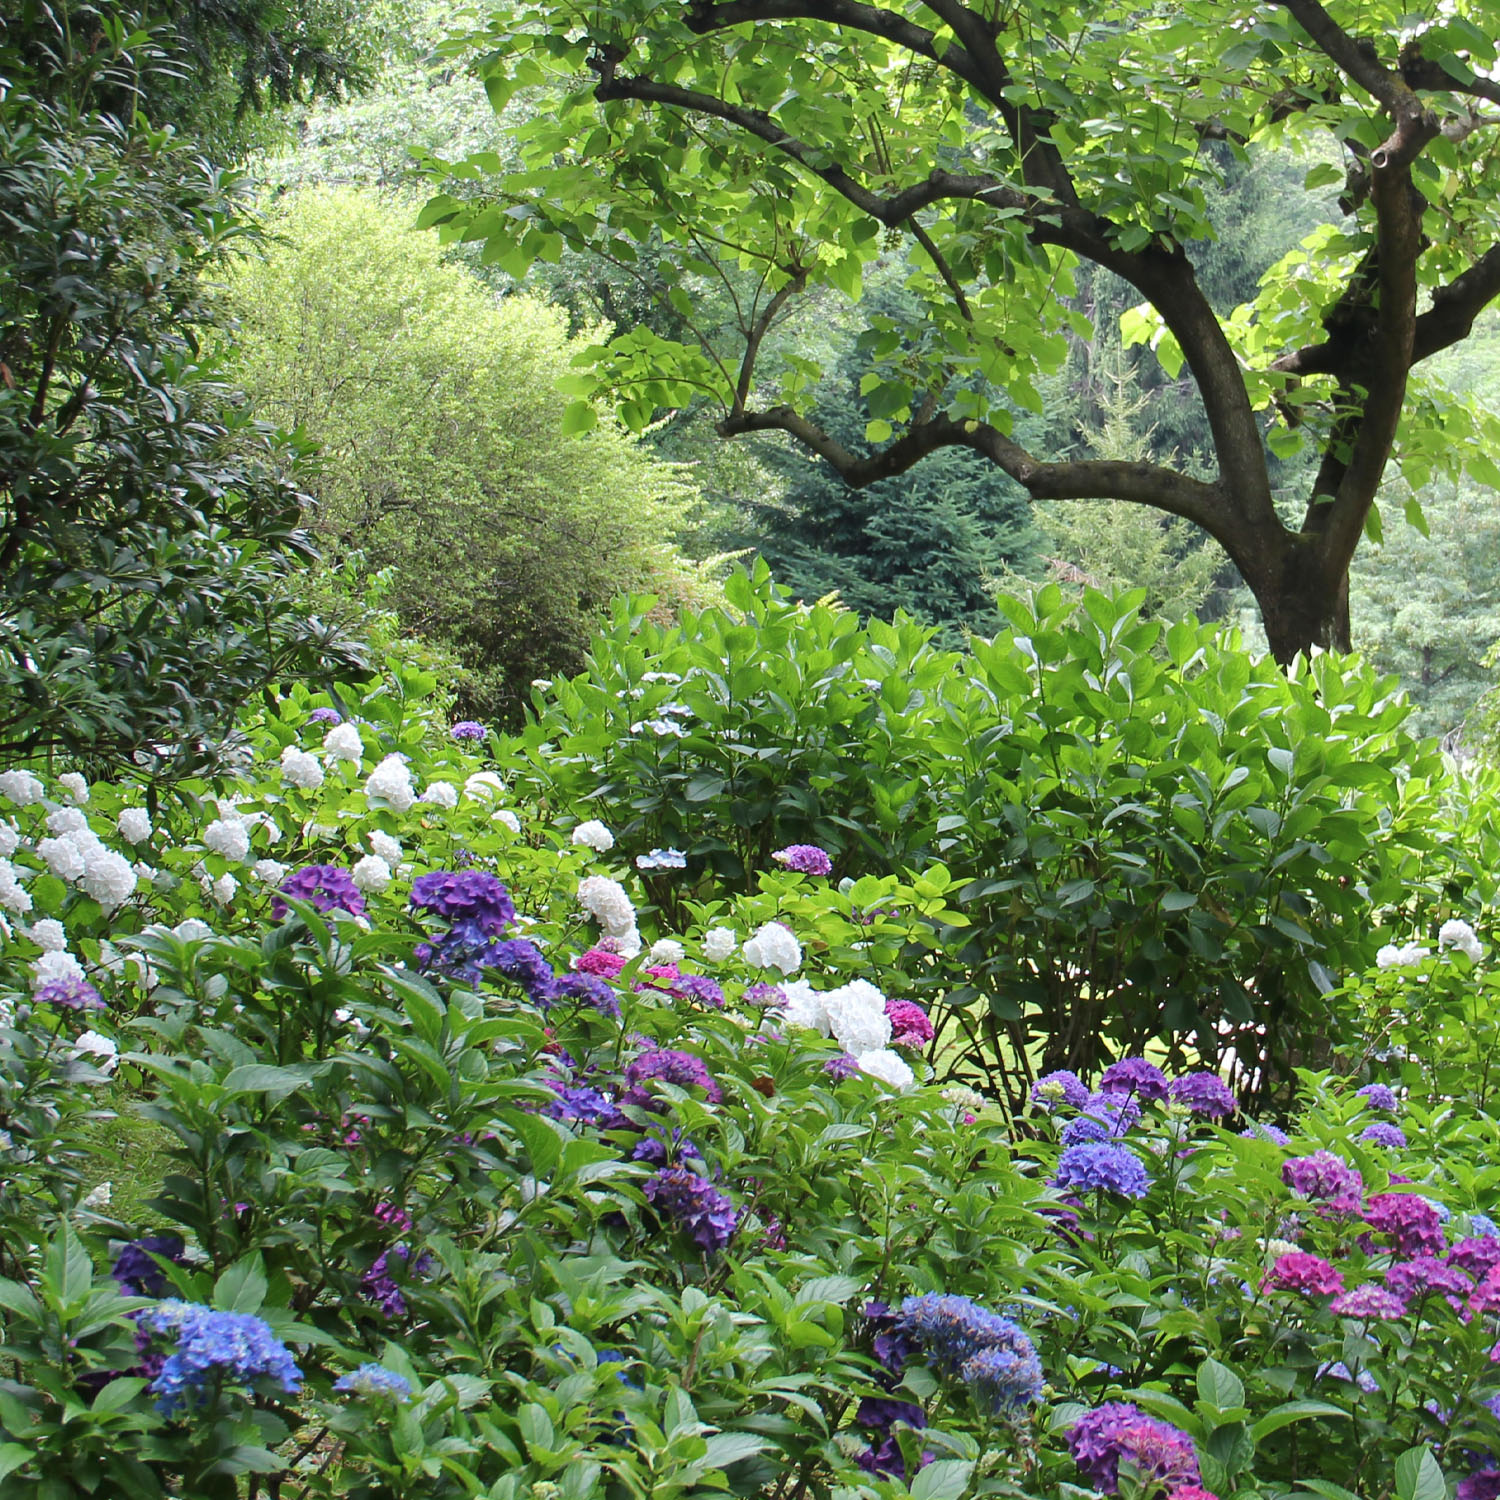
(1150, 834)
(444, 445)
(149, 524)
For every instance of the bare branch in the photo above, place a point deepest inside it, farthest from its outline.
(756, 335)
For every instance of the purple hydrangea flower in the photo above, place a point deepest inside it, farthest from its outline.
(1059, 1090)
(468, 729)
(1413, 1278)
(695, 1205)
(70, 994)
(1134, 1075)
(326, 887)
(1104, 1117)
(1205, 1094)
(1384, 1134)
(1412, 1222)
(325, 716)
(893, 1345)
(586, 1106)
(521, 961)
(804, 859)
(1258, 1130)
(1102, 1437)
(1101, 1166)
(951, 1330)
(765, 995)
(139, 1272)
(1484, 1484)
(213, 1348)
(841, 1067)
(382, 1288)
(1006, 1379)
(1368, 1301)
(910, 1024)
(585, 989)
(658, 1149)
(1477, 1256)
(1326, 1178)
(1299, 1272)
(465, 896)
(679, 1068)
(1378, 1096)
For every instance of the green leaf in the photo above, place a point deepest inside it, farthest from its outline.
(946, 1479)
(580, 416)
(1418, 1476)
(1220, 1386)
(1293, 1411)
(263, 1078)
(725, 1448)
(242, 1287)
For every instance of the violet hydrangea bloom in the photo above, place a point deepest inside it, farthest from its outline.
(1378, 1096)
(1101, 1166)
(587, 1106)
(841, 1067)
(1326, 1178)
(1477, 1256)
(326, 887)
(138, 1270)
(212, 1349)
(381, 1286)
(325, 715)
(468, 729)
(804, 859)
(679, 1068)
(990, 1353)
(1062, 1089)
(585, 989)
(465, 896)
(1134, 1075)
(1103, 1117)
(1483, 1484)
(1299, 1272)
(1368, 1301)
(70, 994)
(1006, 1378)
(1411, 1221)
(374, 1380)
(1205, 1094)
(766, 996)
(1258, 1130)
(1102, 1437)
(910, 1025)
(695, 1205)
(1410, 1279)
(1383, 1133)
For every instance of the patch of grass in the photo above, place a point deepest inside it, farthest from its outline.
(129, 1153)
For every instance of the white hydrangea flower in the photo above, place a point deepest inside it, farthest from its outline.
(484, 786)
(110, 878)
(774, 947)
(594, 835)
(269, 871)
(224, 889)
(667, 951)
(65, 820)
(627, 944)
(605, 900)
(192, 930)
(508, 818)
(889, 1067)
(1456, 933)
(386, 847)
(75, 787)
(98, 1199)
(51, 968)
(134, 824)
(804, 1007)
(227, 836)
(371, 873)
(856, 1015)
(342, 742)
(1392, 957)
(718, 944)
(21, 787)
(64, 858)
(391, 782)
(301, 768)
(10, 838)
(440, 794)
(99, 1050)
(13, 896)
(963, 1097)
(49, 935)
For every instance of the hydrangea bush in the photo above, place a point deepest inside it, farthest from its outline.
(492, 1165)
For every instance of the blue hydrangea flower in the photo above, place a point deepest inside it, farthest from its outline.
(1101, 1166)
(1060, 1090)
(1104, 1117)
(213, 1348)
(662, 859)
(376, 1381)
(1005, 1378)
(468, 729)
(1483, 1227)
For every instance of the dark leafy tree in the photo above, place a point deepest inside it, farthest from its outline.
(1007, 145)
(150, 530)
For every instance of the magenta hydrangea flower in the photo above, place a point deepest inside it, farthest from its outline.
(1299, 1272)
(1368, 1301)
(70, 994)
(600, 961)
(1476, 1256)
(1413, 1278)
(1205, 1094)
(804, 859)
(1117, 1430)
(1134, 1075)
(910, 1025)
(694, 1204)
(327, 887)
(1324, 1178)
(1412, 1222)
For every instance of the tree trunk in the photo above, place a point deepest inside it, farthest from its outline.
(1302, 602)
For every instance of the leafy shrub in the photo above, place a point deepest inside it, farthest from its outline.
(1156, 835)
(446, 1215)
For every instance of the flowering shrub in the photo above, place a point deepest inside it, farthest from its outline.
(511, 1175)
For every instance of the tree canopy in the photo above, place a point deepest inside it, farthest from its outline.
(801, 140)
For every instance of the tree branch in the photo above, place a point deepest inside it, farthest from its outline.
(1419, 72)
(757, 332)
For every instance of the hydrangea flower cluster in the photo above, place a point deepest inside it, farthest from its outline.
(1325, 1179)
(1101, 1166)
(1412, 1222)
(69, 994)
(1205, 1094)
(380, 1284)
(694, 1205)
(212, 1349)
(1059, 1090)
(138, 1270)
(375, 1381)
(605, 900)
(991, 1354)
(468, 731)
(326, 887)
(1309, 1274)
(910, 1024)
(1134, 1075)
(1117, 1430)
(773, 947)
(804, 859)
(669, 1066)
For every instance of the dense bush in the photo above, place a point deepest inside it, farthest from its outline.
(461, 1201)
(1156, 835)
